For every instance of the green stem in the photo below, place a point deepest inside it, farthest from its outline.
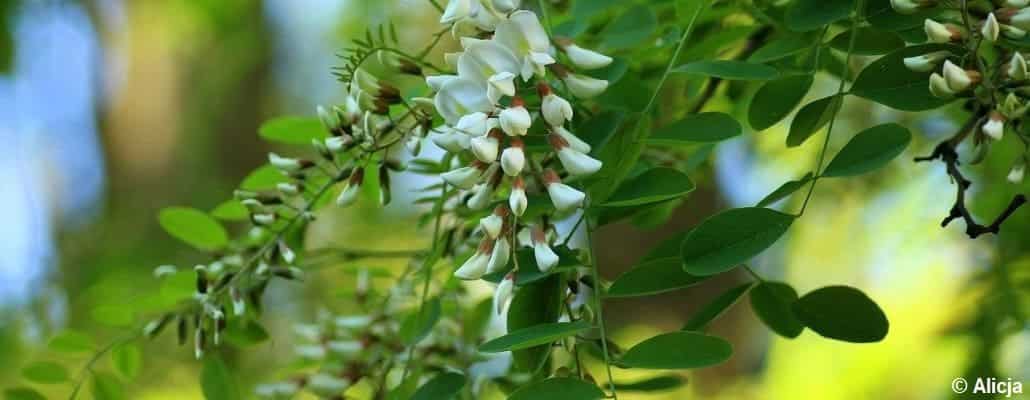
(428, 268)
(596, 275)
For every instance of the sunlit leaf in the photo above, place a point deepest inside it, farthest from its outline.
(217, 381)
(293, 130)
(776, 99)
(724, 241)
(705, 127)
(107, 387)
(653, 277)
(23, 393)
(45, 372)
(194, 227)
(231, 210)
(71, 342)
(869, 150)
(558, 389)
(127, 359)
(534, 336)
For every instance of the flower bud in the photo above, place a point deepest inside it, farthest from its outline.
(959, 79)
(585, 87)
(153, 328)
(481, 195)
(1012, 32)
(504, 291)
(995, 125)
(563, 196)
(513, 160)
(583, 58)
(486, 147)
(263, 219)
(1015, 3)
(911, 6)
(450, 140)
(575, 142)
(515, 120)
(1019, 18)
(505, 6)
(464, 177)
(493, 223)
(286, 253)
(288, 189)
(475, 124)
(330, 120)
(941, 33)
(198, 342)
(939, 87)
(517, 200)
(545, 257)
(350, 192)
(990, 28)
(926, 62)
(499, 256)
(575, 163)
(239, 306)
(501, 84)
(1017, 173)
(326, 385)
(287, 164)
(475, 266)
(1017, 67)
(165, 270)
(385, 191)
(555, 109)
(458, 9)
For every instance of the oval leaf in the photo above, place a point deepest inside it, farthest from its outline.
(706, 127)
(729, 70)
(630, 28)
(216, 381)
(71, 342)
(732, 237)
(23, 393)
(678, 350)
(656, 384)
(809, 15)
(194, 227)
(263, 178)
(718, 306)
(776, 99)
(534, 304)
(442, 387)
(772, 303)
(869, 42)
(881, 15)
(842, 313)
(420, 322)
(653, 186)
(887, 81)
(293, 130)
(812, 117)
(785, 190)
(534, 336)
(781, 48)
(869, 150)
(127, 360)
(231, 210)
(45, 372)
(558, 389)
(107, 387)
(653, 277)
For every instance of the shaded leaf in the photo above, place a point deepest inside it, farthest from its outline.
(534, 304)
(772, 303)
(420, 322)
(842, 313)
(809, 15)
(717, 307)
(776, 99)
(654, 186)
(653, 277)
(678, 350)
(23, 393)
(630, 28)
(107, 387)
(887, 81)
(785, 190)
(869, 42)
(216, 381)
(534, 336)
(811, 118)
(732, 237)
(881, 15)
(705, 127)
(729, 70)
(127, 359)
(869, 150)
(558, 389)
(442, 387)
(656, 384)
(781, 47)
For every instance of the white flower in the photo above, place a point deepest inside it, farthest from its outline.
(326, 385)
(350, 192)
(515, 120)
(583, 86)
(284, 163)
(501, 84)
(486, 147)
(1016, 3)
(504, 291)
(956, 77)
(513, 160)
(436, 82)
(475, 266)
(555, 109)
(288, 189)
(563, 196)
(926, 62)
(584, 293)
(940, 33)
(345, 347)
(164, 270)
(586, 59)
(905, 6)
(493, 223)
(1012, 32)
(310, 352)
(278, 390)
(450, 140)
(474, 124)
(995, 125)
(523, 34)
(490, 63)
(545, 257)
(1017, 173)
(1017, 68)
(575, 142)
(575, 163)
(481, 195)
(991, 28)
(939, 87)
(264, 219)
(499, 256)
(464, 177)
(459, 97)
(458, 9)
(505, 6)
(1020, 19)
(517, 200)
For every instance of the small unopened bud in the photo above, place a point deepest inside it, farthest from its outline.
(517, 200)
(481, 195)
(939, 87)
(486, 147)
(165, 270)
(513, 160)
(583, 58)
(493, 223)
(545, 257)
(515, 120)
(202, 279)
(941, 33)
(585, 87)
(990, 28)
(327, 386)
(504, 291)
(499, 256)
(555, 109)
(995, 125)
(198, 342)
(475, 267)
(1012, 32)
(926, 62)
(154, 328)
(239, 305)
(353, 187)
(240, 194)
(910, 6)
(563, 196)
(959, 79)
(1017, 173)
(576, 163)
(263, 219)
(385, 193)
(464, 177)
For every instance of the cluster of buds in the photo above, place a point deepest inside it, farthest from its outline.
(1003, 96)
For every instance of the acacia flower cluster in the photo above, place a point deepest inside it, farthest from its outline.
(501, 97)
(1000, 88)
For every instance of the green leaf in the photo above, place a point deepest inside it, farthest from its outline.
(653, 277)
(231, 210)
(442, 387)
(263, 178)
(597, 131)
(869, 42)
(114, 315)
(45, 372)
(785, 190)
(881, 15)
(809, 15)
(654, 186)
(244, 332)
(535, 304)
(782, 47)
(194, 227)
(127, 360)
(775, 100)
(216, 381)
(23, 393)
(534, 336)
(729, 70)
(717, 307)
(811, 118)
(107, 387)
(842, 313)
(678, 350)
(631, 28)
(771, 302)
(421, 321)
(732, 237)
(529, 271)
(656, 384)
(869, 150)
(558, 389)
(706, 127)
(71, 342)
(293, 130)
(887, 81)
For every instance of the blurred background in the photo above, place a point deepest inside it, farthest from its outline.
(114, 109)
